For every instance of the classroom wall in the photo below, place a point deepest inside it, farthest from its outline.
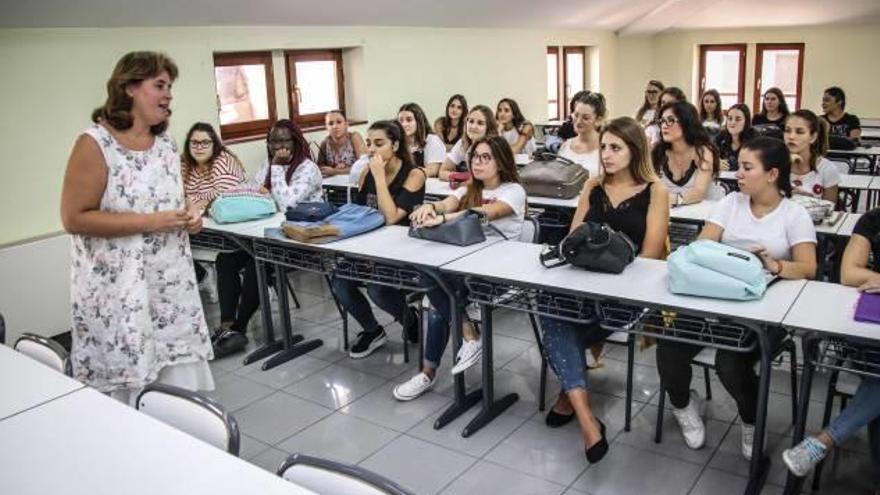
(843, 56)
(53, 78)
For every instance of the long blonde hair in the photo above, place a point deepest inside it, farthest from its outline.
(628, 130)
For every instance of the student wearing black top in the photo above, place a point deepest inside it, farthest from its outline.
(840, 123)
(393, 185)
(630, 198)
(737, 131)
(774, 109)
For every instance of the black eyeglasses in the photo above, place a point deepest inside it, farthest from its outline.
(669, 121)
(651, 91)
(481, 157)
(205, 143)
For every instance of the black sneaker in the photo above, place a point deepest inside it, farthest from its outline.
(367, 343)
(229, 342)
(411, 325)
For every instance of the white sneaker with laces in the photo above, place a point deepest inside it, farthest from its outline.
(468, 355)
(692, 428)
(414, 387)
(747, 440)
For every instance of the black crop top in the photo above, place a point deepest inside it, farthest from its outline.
(403, 198)
(630, 216)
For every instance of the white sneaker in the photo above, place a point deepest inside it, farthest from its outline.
(415, 387)
(208, 285)
(747, 440)
(468, 355)
(692, 428)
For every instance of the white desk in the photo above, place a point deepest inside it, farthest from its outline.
(848, 224)
(26, 383)
(856, 181)
(437, 187)
(253, 228)
(811, 312)
(337, 181)
(870, 123)
(871, 133)
(696, 212)
(87, 443)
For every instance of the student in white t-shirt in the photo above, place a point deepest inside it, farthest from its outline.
(811, 173)
(494, 192)
(759, 218)
(427, 149)
(518, 131)
(480, 123)
(588, 116)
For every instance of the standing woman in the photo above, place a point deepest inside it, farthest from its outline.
(685, 159)
(811, 173)
(518, 131)
(341, 148)
(588, 115)
(137, 317)
(737, 131)
(450, 127)
(630, 198)
(648, 111)
(774, 109)
(427, 149)
(710, 111)
(480, 123)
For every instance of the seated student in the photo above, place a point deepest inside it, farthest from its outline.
(669, 95)
(480, 123)
(630, 198)
(426, 148)
(759, 218)
(811, 173)
(518, 131)
(647, 113)
(341, 148)
(841, 124)
(774, 109)
(589, 112)
(685, 158)
(393, 185)
(710, 111)
(450, 127)
(291, 178)
(566, 130)
(863, 409)
(495, 191)
(737, 130)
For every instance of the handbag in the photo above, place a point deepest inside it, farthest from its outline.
(711, 269)
(348, 221)
(458, 179)
(593, 246)
(241, 205)
(465, 230)
(553, 176)
(309, 212)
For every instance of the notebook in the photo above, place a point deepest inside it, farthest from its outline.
(868, 308)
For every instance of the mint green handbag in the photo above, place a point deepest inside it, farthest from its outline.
(242, 205)
(711, 269)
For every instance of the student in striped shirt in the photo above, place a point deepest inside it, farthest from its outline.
(209, 168)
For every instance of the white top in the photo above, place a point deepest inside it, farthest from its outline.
(435, 150)
(816, 181)
(457, 154)
(811, 311)
(304, 185)
(647, 117)
(515, 196)
(26, 382)
(512, 136)
(590, 161)
(786, 226)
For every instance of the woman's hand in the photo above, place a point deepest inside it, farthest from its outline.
(377, 167)
(772, 265)
(432, 221)
(725, 166)
(194, 217)
(872, 285)
(281, 157)
(421, 214)
(328, 171)
(168, 221)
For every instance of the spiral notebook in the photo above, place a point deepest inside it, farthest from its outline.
(868, 308)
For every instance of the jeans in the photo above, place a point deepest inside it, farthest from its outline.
(735, 369)
(439, 320)
(391, 300)
(863, 409)
(566, 344)
(238, 294)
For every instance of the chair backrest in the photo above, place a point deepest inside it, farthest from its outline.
(334, 478)
(44, 350)
(531, 230)
(2, 329)
(192, 413)
(314, 151)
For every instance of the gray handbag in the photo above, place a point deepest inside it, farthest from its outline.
(463, 231)
(553, 176)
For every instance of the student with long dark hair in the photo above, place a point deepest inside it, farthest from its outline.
(647, 113)
(588, 116)
(737, 131)
(812, 174)
(427, 149)
(480, 123)
(566, 130)
(341, 148)
(669, 95)
(450, 127)
(840, 123)
(710, 111)
(514, 127)
(774, 109)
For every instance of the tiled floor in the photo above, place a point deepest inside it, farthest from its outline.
(328, 405)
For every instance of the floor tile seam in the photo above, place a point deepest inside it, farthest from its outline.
(300, 430)
(348, 359)
(495, 447)
(326, 363)
(523, 420)
(338, 409)
(709, 461)
(456, 478)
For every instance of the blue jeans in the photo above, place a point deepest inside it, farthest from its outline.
(863, 409)
(439, 322)
(391, 300)
(566, 344)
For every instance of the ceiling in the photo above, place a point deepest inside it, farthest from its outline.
(622, 16)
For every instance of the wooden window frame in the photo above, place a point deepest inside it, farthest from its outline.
(565, 96)
(313, 120)
(759, 65)
(247, 131)
(554, 50)
(731, 47)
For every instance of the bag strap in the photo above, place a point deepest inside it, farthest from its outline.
(552, 253)
(482, 217)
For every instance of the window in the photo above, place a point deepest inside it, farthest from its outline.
(245, 94)
(782, 66)
(315, 85)
(722, 67)
(566, 75)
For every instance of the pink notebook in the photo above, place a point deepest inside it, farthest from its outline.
(868, 308)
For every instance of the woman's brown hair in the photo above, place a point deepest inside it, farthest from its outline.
(503, 156)
(131, 70)
(491, 125)
(631, 133)
(647, 104)
(818, 126)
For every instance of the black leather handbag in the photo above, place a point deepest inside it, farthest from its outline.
(463, 231)
(592, 246)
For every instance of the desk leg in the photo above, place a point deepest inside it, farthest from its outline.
(270, 346)
(490, 408)
(793, 484)
(760, 464)
(291, 348)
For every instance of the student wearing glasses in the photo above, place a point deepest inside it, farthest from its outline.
(480, 123)
(588, 115)
(648, 111)
(518, 131)
(840, 123)
(774, 110)
(737, 131)
(341, 148)
(685, 158)
(669, 95)
(427, 149)
(811, 173)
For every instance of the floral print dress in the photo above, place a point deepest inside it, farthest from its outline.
(134, 301)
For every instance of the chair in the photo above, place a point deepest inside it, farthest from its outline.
(46, 351)
(334, 478)
(706, 360)
(192, 413)
(2, 330)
